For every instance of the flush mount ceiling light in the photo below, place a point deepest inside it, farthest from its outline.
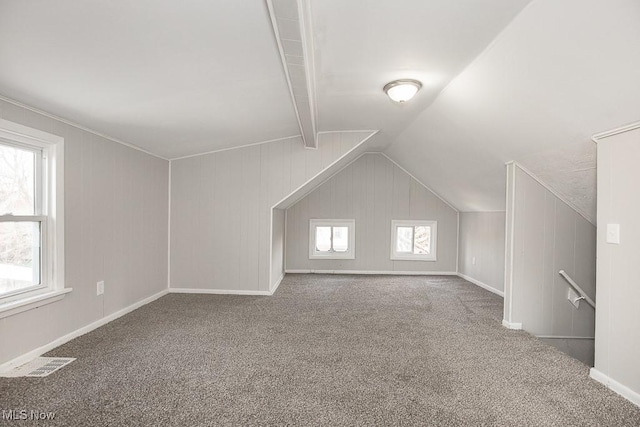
(402, 90)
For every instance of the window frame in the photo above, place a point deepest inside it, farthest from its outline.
(406, 256)
(351, 249)
(49, 212)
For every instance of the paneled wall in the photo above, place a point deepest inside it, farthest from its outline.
(547, 236)
(618, 292)
(116, 223)
(277, 245)
(221, 208)
(373, 191)
(481, 248)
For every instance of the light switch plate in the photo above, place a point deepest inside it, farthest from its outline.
(100, 288)
(613, 234)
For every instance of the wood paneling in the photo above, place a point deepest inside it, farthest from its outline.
(548, 236)
(221, 207)
(617, 340)
(373, 191)
(482, 238)
(116, 223)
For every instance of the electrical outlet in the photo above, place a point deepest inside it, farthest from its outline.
(100, 289)
(473, 260)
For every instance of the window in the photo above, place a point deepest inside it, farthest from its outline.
(31, 213)
(332, 239)
(413, 240)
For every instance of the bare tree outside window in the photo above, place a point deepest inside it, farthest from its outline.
(19, 241)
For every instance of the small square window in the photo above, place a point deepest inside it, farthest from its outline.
(413, 240)
(332, 239)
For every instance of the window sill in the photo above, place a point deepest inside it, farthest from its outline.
(18, 306)
(333, 256)
(412, 258)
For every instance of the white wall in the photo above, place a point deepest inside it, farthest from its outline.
(373, 191)
(221, 207)
(481, 248)
(277, 246)
(116, 223)
(618, 290)
(547, 236)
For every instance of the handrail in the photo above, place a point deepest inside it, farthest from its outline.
(574, 285)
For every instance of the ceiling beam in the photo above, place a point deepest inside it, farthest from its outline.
(291, 22)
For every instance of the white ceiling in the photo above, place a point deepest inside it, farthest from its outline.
(361, 45)
(562, 71)
(175, 78)
(523, 80)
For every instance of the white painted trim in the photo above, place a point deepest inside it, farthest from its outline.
(169, 230)
(308, 49)
(481, 284)
(76, 125)
(217, 291)
(29, 303)
(285, 67)
(347, 131)
(552, 191)
(27, 135)
(621, 389)
(274, 288)
(509, 242)
(252, 144)
(457, 242)
(394, 255)
(351, 249)
(627, 128)
(20, 360)
(509, 325)
(420, 182)
(277, 205)
(382, 272)
(563, 337)
(270, 249)
(52, 234)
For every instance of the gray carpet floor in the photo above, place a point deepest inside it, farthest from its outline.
(325, 350)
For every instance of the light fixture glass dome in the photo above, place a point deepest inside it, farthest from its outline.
(402, 90)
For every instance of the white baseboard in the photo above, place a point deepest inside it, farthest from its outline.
(385, 272)
(274, 288)
(563, 337)
(21, 360)
(509, 325)
(217, 291)
(622, 390)
(481, 284)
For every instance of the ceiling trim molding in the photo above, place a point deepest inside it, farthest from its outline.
(552, 191)
(235, 148)
(291, 199)
(301, 87)
(78, 126)
(420, 182)
(626, 128)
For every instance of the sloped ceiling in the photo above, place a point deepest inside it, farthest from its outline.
(175, 78)
(560, 72)
(504, 80)
(361, 45)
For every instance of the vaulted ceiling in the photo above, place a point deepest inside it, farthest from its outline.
(503, 80)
